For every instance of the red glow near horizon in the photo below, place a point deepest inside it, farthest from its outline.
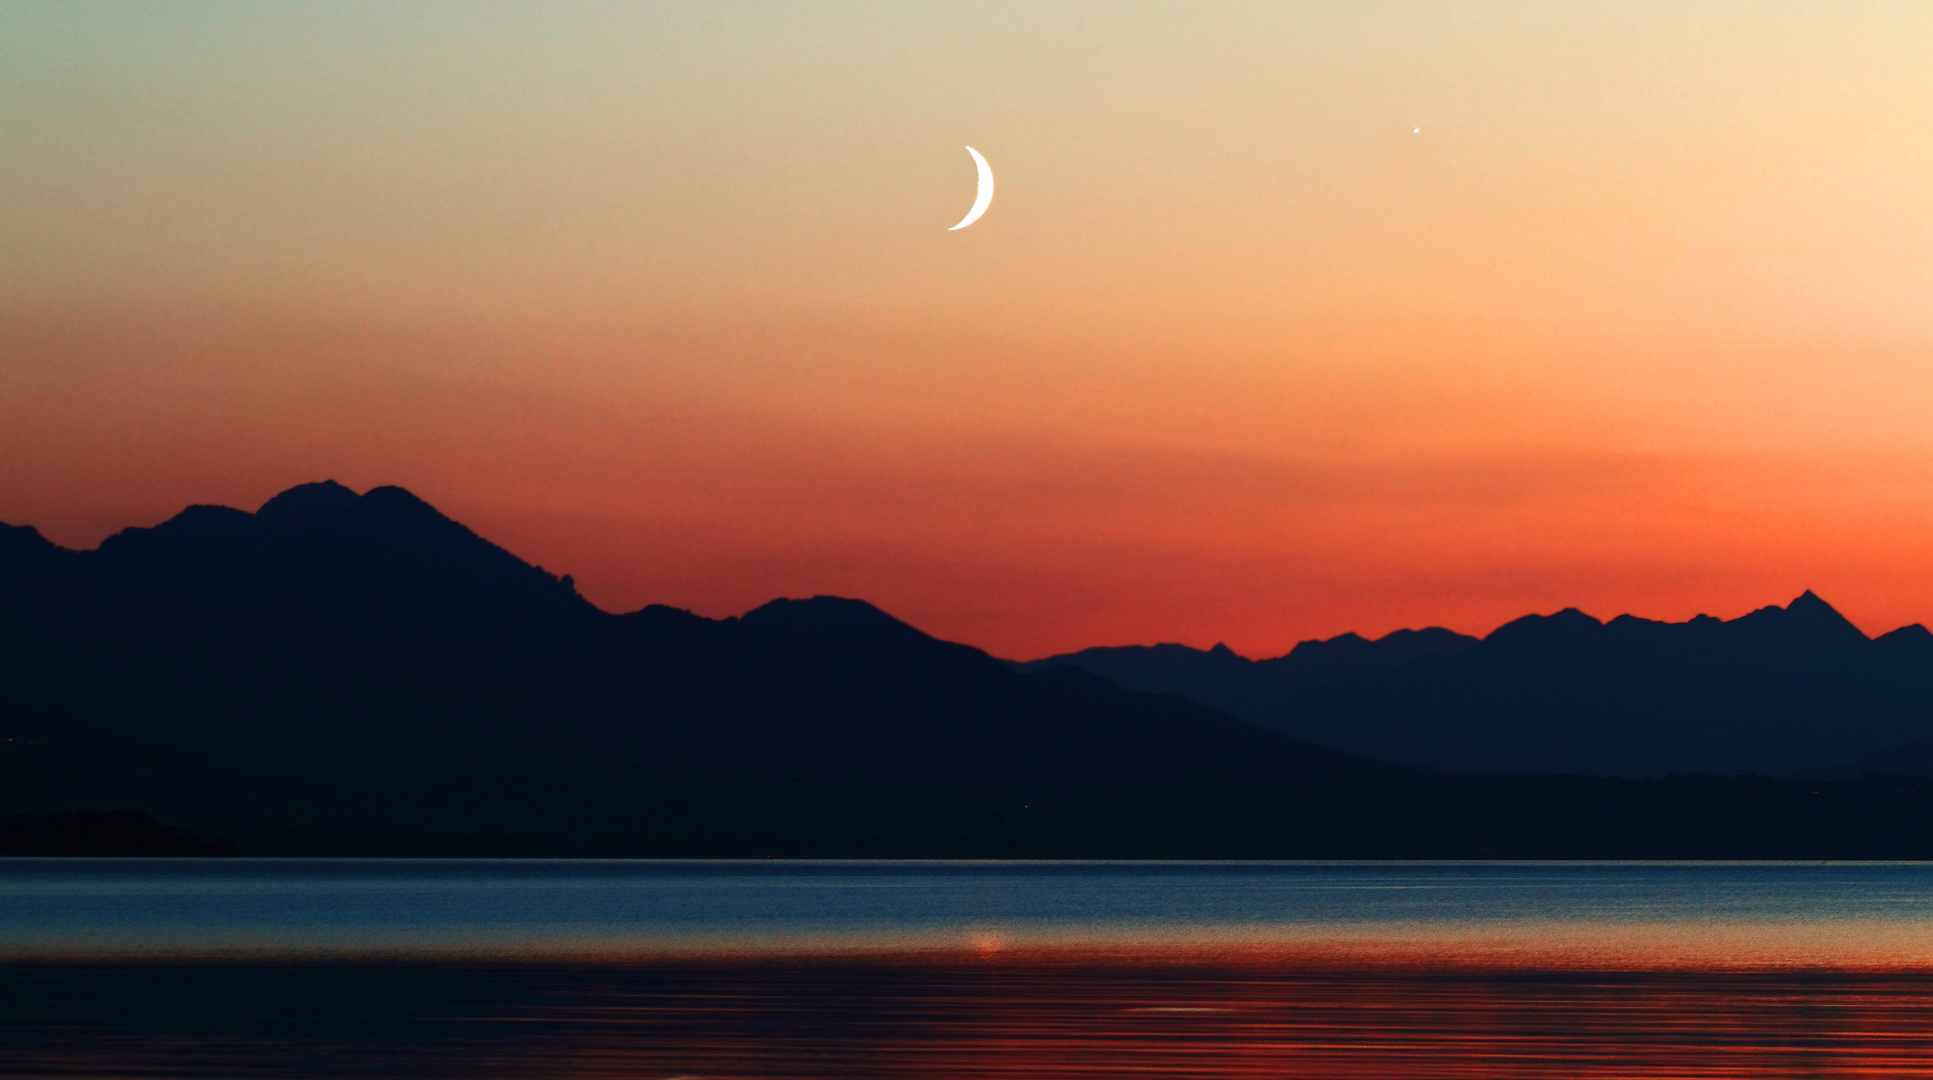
(1404, 318)
(1021, 544)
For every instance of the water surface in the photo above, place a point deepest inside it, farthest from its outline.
(112, 968)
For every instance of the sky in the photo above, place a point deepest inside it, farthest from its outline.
(1286, 319)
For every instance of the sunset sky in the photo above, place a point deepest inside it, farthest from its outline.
(1286, 320)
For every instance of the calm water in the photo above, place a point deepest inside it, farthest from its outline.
(766, 969)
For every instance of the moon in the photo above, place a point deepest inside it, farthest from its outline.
(985, 197)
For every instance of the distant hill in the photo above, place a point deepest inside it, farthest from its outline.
(333, 654)
(117, 833)
(1259, 691)
(1783, 691)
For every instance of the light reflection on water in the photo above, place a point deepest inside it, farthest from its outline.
(1645, 915)
(228, 969)
(999, 1018)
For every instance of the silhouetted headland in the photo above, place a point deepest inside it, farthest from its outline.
(123, 833)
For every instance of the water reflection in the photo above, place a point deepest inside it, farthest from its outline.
(1606, 916)
(125, 968)
(1003, 1016)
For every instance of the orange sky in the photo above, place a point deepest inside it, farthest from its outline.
(663, 297)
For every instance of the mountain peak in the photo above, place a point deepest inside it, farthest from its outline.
(303, 506)
(390, 515)
(1810, 617)
(1809, 604)
(389, 496)
(23, 540)
(820, 612)
(1566, 625)
(1912, 633)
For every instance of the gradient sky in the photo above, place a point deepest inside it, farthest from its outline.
(663, 296)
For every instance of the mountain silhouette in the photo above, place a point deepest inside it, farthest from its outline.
(337, 661)
(370, 643)
(1255, 690)
(1783, 691)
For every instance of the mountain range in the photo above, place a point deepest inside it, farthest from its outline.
(1783, 691)
(1259, 691)
(336, 661)
(367, 643)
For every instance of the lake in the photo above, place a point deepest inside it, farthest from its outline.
(220, 968)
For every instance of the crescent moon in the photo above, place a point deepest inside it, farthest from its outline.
(985, 198)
